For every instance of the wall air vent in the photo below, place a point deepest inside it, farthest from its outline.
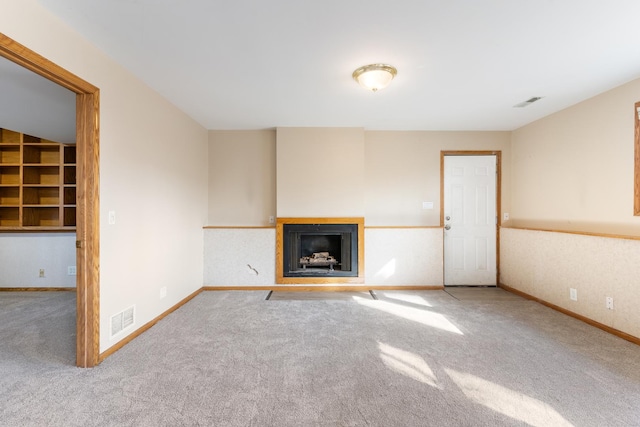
(528, 102)
(123, 320)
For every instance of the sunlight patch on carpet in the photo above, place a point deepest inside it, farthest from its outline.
(507, 402)
(408, 364)
(425, 317)
(407, 297)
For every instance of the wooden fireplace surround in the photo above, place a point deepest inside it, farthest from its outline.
(280, 279)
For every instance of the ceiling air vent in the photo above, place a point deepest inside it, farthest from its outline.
(528, 102)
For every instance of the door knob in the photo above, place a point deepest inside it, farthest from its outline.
(448, 218)
(447, 227)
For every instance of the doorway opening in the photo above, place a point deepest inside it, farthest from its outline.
(87, 193)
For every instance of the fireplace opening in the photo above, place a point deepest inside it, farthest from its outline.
(320, 250)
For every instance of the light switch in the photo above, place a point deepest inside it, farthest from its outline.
(112, 217)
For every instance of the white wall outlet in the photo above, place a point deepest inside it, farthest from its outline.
(163, 292)
(505, 216)
(112, 217)
(71, 270)
(272, 219)
(573, 294)
(41, 273)
(609, 302)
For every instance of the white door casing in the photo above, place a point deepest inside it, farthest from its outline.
(470, 219)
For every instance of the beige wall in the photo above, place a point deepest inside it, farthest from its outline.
(574, 170)
(242, 178)
(153, 174)
(394, 172)
(320, 172)
(402, 170)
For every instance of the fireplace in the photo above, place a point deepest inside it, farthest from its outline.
(319, 250)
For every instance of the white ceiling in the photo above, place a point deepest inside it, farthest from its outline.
(36, 106)
(462, 64)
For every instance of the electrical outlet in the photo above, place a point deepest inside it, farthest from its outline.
(272, 219)
(609, 302)
(41, 274)
(71, 270)
(573, 294)
(163, 292)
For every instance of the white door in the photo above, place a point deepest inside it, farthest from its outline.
(470, 220)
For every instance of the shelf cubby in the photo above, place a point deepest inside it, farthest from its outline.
(9, 175)
(69, 154)
(69, 219)
(69, 175)
(10, 196)
(41, 175)
(9, 216)
(9, 154)
(9, 137)
(41, 217)
(69, 197)
(41, 195)
(28, 139)
(44, 154)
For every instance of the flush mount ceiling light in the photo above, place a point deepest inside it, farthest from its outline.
(375, 76)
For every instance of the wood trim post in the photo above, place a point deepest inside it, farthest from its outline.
(636, 173)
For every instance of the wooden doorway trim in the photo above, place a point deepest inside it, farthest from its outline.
(498, 155)
(87, 197)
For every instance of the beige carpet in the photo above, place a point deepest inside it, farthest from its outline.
(323, 296)
(407, 359)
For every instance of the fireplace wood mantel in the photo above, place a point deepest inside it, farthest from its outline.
(280, 279)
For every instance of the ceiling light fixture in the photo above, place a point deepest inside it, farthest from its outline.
(374, 77)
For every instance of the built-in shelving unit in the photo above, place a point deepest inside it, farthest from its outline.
(37, 183)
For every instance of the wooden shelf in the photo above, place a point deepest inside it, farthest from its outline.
(9, 216)
(69, 174)
(41, 154)
(9, 154)
(10, 137)
(37, 183)
(9, 175)
(10, 196)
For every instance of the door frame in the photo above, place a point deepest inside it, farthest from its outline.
(87, 194)
(498, 155)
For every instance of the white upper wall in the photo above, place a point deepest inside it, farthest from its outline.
(153, 175)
